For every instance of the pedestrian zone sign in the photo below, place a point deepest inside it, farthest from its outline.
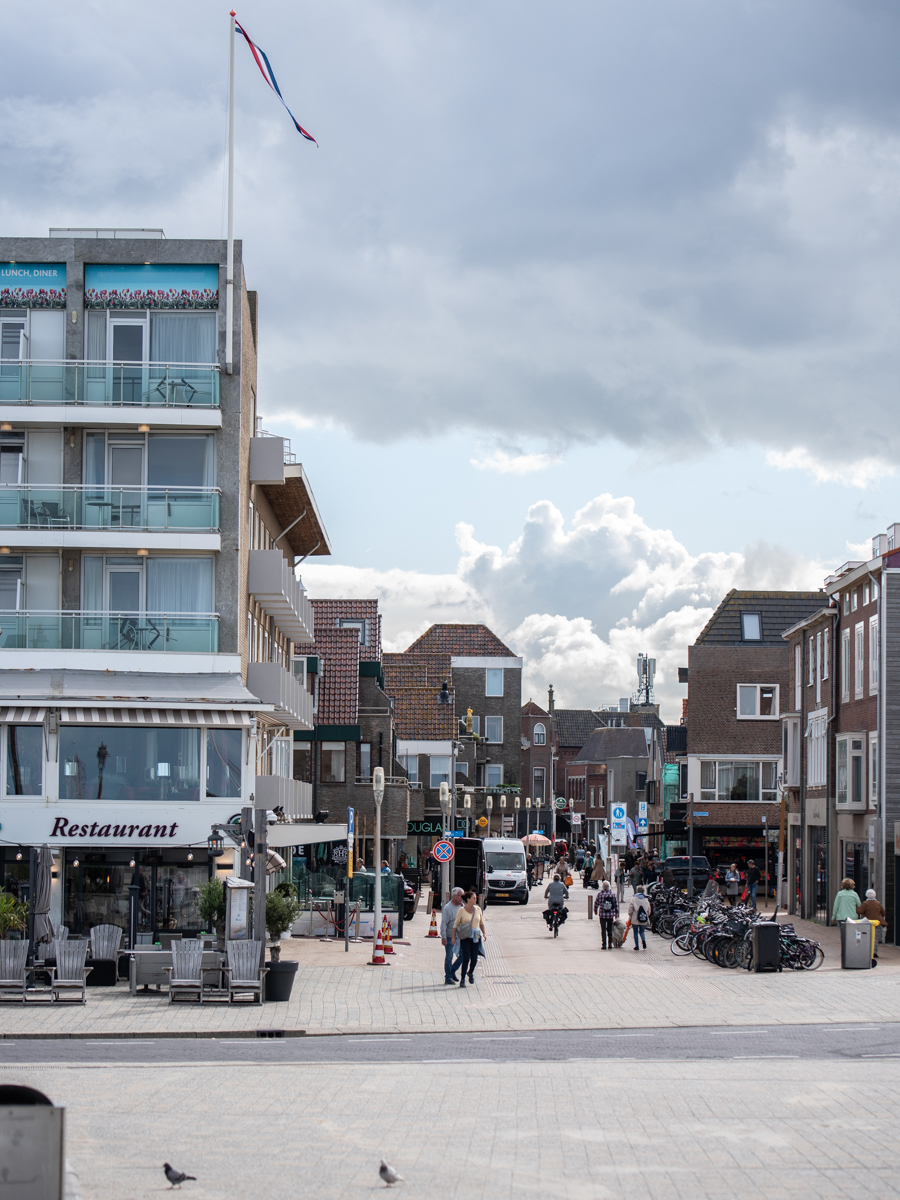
(618, 828)
(443, 851)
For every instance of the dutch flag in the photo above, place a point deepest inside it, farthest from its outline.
(269, 76)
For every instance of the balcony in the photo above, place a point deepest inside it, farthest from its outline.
(183, 633)
(292, 795)
(276, 589)
(84, 506)
(285, 486)
(272, 684)
(116, 385)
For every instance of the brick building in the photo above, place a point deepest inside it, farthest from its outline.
(538, 753)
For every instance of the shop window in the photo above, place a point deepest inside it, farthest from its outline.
(131, 762)
(333, 759)
(223, 762)
(24, 760)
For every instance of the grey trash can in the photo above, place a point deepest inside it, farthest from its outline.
(766, 946)
(856, 945)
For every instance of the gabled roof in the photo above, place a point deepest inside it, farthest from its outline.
(462, 641)
(604, 744)
(575, 725)
(533, 710)
(778, 611)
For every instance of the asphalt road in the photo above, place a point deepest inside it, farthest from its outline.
(753, 1042)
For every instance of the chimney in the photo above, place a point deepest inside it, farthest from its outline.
(550, 701)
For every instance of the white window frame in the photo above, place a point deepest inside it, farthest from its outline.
(432, 759)
(846, 603)
(811, 661)
(865, 594)
(854, 600)
(825, 652)
(873, 771)
(540, 734)
(817, 748)
(873, 656)
(845, 664)
(758, 617)
(845, 753)
(488, 767)
(493, 741)
(489, 671)
(775, 715)
(798, 676)
(819, 667)
(792, 752)
(859, 650)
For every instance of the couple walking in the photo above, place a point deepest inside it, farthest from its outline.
(462, 929)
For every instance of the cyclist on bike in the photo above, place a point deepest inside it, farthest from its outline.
(556, 895)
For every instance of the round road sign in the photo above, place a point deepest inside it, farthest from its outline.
(481, 822)
(559, 802)
(443, 851)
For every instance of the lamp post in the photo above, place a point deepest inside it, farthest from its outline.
(489, 804)
(378, 789)
(444, 797)
(467, 807)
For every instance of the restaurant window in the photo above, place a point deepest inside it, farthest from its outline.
(440, 769)
(493, 681)
(333, 755)
(130, 762)
(223, 762)
(24, 760)
(540, 735)
(365, 760)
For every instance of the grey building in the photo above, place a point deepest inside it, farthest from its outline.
(613, 764)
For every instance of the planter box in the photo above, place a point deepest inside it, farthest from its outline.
(280, 981)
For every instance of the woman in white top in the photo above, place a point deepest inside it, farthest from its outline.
(469, 929)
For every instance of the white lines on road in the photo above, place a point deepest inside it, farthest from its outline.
(737, 1031)
(509, 1038)
(608, 1035)
(756, 1057)
(879, 1056)
(379, 1037)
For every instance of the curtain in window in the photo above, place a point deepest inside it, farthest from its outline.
(96, 343)
(183, 585)
(182, 337)
(92, 587)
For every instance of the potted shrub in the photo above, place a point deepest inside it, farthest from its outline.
(211, 905)
(282, 910)
(13, 954)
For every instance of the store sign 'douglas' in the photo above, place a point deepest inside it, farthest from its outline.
(155, 286)
(32, 285)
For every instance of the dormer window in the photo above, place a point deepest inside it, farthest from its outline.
(751, 627)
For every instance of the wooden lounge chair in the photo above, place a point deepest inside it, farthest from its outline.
(105, 943)
(245, 976)
(13, 958)
(185, 973)
(70, 972)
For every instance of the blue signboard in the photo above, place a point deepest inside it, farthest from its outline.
(157, 286)
(33, 285)
(350, 822)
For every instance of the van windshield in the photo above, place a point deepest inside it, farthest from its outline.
(508, 860)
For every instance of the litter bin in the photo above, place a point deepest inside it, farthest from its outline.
(766, 946)
(857, 945)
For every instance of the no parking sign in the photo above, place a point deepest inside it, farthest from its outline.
(443, 851)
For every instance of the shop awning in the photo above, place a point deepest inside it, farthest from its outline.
(154, 716)
(21, 716)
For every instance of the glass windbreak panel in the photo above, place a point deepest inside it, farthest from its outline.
(180, 585)
(767, 701)
(129, 763)
(505, 861)
(179, 461)
(24, 760)
(223, 762)
(178, 896)
(747, 696)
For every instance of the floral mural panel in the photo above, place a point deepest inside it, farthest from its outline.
(32, 285)
(154, 286)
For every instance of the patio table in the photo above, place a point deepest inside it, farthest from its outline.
(147, 968)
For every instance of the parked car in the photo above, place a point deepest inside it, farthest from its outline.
(679, 866)
(410, 900)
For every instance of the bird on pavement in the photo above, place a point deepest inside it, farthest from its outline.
(389, 1175)
(176, 1178)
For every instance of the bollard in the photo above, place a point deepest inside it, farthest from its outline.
(590, 900)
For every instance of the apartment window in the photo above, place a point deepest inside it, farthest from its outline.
(817, 748)
(640, 781)
(540, 735)
(854, 599)
(873, 770)
(859, 643)
(476, 725)
(874, 592)
(850, 771)
(365, 760)
(493, 681)
(360, 624)
(873, 655)
(846, 603)
(223, 762)
(865, 594)
(845, 664)
(410, 764)
(333, 762)
(818, 668)
(791, 752)
(440, 769)
(493, 729)
(798, 677)
(757, 701)
(493, 775)
(810, 662)
(741, 782)
(538, 775)
(303, 761)
(24, 760)
(751, 627)
(825, 641)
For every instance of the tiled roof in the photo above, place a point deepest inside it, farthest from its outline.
(533, 710)
(575, 725)
(604, 744)
(778, 610)
(338, 650)
(327, 613)
(464, 641)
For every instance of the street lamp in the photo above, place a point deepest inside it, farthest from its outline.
(378, 789)
(489, 804)
(467, 805)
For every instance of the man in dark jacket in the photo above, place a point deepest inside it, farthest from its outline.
(753, 878)
(606, 907)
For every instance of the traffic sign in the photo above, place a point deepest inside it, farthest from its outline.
(642, 824)
(455, 833)
(443, 851)
(618, 826)
(481, 822)
(351, 822)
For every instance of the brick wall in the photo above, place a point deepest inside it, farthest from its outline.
(715, 672)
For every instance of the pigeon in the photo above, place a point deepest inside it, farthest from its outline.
(389, 1175)
(177, 1178)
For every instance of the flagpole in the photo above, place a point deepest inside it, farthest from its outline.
(229, 262)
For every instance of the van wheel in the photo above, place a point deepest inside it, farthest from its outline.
(524, 899)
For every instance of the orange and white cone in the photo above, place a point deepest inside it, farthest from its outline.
(433, 931)
(378, 959)
(388, 943)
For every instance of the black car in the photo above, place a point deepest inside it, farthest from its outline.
(679, 867)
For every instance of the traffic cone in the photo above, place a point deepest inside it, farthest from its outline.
(388, 943)
(433, 931)
(378, 959)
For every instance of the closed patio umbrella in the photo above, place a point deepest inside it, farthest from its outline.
(43, 931)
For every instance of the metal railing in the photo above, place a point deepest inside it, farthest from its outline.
(87, 506)
(129, 385)
(46, 630)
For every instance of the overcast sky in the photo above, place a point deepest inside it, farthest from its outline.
(581, 314)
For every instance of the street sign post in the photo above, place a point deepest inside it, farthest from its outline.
(618, 826)
(643, 827)
(443, 851)
(351, 826)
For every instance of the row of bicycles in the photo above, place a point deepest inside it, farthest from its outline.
(712, 929)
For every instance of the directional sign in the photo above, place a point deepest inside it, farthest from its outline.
(443, 851)
(701, 814)
(642, 818)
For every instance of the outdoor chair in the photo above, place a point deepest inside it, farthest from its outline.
(185, 973)
(245, 976)
(105, 943)
(13, 958)
(61, 933)
(70, 973)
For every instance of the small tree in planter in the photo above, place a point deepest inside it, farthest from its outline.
(13, 915)
(282, 910)
(211, 905)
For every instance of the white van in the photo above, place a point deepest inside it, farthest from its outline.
(505, 872)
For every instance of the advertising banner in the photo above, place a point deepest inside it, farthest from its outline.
(32, 285)
(154, 286)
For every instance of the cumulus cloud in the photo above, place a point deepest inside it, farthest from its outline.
(578, 599)
(859, 473)
(515, 464)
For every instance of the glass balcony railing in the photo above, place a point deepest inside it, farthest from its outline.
(130, 385)
(84, 506)
(180, 633)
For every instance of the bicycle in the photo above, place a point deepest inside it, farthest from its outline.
(555, 917)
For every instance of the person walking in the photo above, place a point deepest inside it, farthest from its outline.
(588, 868)
(639, 915)
(753, 877)
(732, 884)
(873, 910)
(448, 938)
(468, 927)
(846, 903)
(606, 908)
(598, 871)
(636, 876)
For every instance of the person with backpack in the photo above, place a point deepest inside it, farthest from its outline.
(639, 915)
(606, 907)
